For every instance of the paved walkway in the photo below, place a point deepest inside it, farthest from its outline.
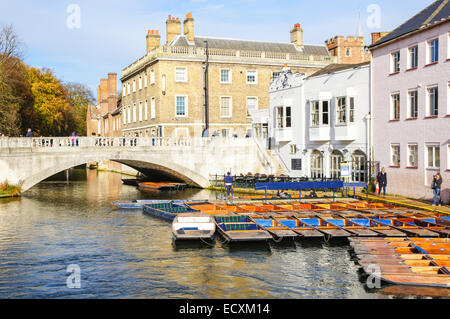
(403, 201)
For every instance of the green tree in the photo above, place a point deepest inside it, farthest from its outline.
(10, 68)
(80, 96)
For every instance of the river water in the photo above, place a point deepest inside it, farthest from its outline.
(126, 254)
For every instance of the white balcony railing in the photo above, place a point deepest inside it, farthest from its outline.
(200, 53)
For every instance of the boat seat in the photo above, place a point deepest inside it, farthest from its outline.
(429, 220)
(362, 222)
(384, 221)
(289, 223)
(264, 222)
(338, 222)
(313, 222)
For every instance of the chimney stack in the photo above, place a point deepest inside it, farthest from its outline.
(378, 35)
(153, 40)
(189, 27)
(173, 28)
(297, 36)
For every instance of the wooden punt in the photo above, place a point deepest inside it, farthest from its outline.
(240, 229)
(138, 204)
(233, 208)
(208, 208)
(301, 229)
(411, 230)
(193, 227)
(254, 209)
(416, 279)
(324, 227)
(168, 211)
(352, 227)
(428, 223)
(277, 230)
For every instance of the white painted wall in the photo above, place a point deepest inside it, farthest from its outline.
(350, 82)
(422, 130)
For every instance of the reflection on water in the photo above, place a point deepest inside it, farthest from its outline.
(126, 254)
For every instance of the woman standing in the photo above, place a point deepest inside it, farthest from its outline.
(436, 186)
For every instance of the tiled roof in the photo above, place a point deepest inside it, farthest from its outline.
(234, 44)
(436, 12)
(338, 67)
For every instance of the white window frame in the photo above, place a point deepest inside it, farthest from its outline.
(124, 116)
(124, 91)
(393, 112)
(428, 102)
(315, 113)
(256, 104)
(145, 80)
(416, 155)
(134, 113)
(134, 85)
(410, 57)
(230, 111)
(141, 113)
(128, 88)
(186, 103)
(410, 114)
(256, 77)
(338, 111)
(430, 57)
(392, 162)
(185, 74)
(146, 110)
(129, 114)
(395, 64)
(427, 156)
(230, 78)
(140, 83)
(152, 77)
(164, 83)
(153, 107)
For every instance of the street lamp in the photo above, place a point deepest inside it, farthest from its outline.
(206, 67)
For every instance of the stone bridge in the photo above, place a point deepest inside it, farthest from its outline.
(28, 161)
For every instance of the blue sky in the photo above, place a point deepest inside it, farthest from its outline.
(112, 32)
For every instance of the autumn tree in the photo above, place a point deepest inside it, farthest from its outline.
(51, 102)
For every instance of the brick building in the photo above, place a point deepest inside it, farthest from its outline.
(163, 92)
(103, 119)
(350, 50)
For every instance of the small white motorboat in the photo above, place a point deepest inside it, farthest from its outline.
(193, 227)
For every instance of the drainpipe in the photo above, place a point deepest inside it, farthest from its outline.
(206, 130)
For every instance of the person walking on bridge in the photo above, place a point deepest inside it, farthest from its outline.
(382, 181)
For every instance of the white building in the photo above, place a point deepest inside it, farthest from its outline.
(411, 108)
(319, 122)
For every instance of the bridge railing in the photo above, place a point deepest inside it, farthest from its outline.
(114, 142)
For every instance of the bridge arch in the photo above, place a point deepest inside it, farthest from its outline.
(182, 173)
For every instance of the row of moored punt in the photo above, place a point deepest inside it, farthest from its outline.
(261, 221)
(405, 261)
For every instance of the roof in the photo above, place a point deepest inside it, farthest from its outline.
(338, 67)
(235, 44)
(436, 12)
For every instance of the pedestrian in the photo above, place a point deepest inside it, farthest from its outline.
(382, 181)
(436, 187)
(228, 184)
(29, 133)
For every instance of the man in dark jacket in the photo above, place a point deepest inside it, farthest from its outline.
(29, 133)
(382, 181)
(436, 186)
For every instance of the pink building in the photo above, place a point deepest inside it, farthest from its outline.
(410, 99)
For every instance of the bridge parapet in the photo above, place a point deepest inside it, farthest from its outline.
(60, 143)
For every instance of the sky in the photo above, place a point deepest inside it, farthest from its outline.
(105, 36)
